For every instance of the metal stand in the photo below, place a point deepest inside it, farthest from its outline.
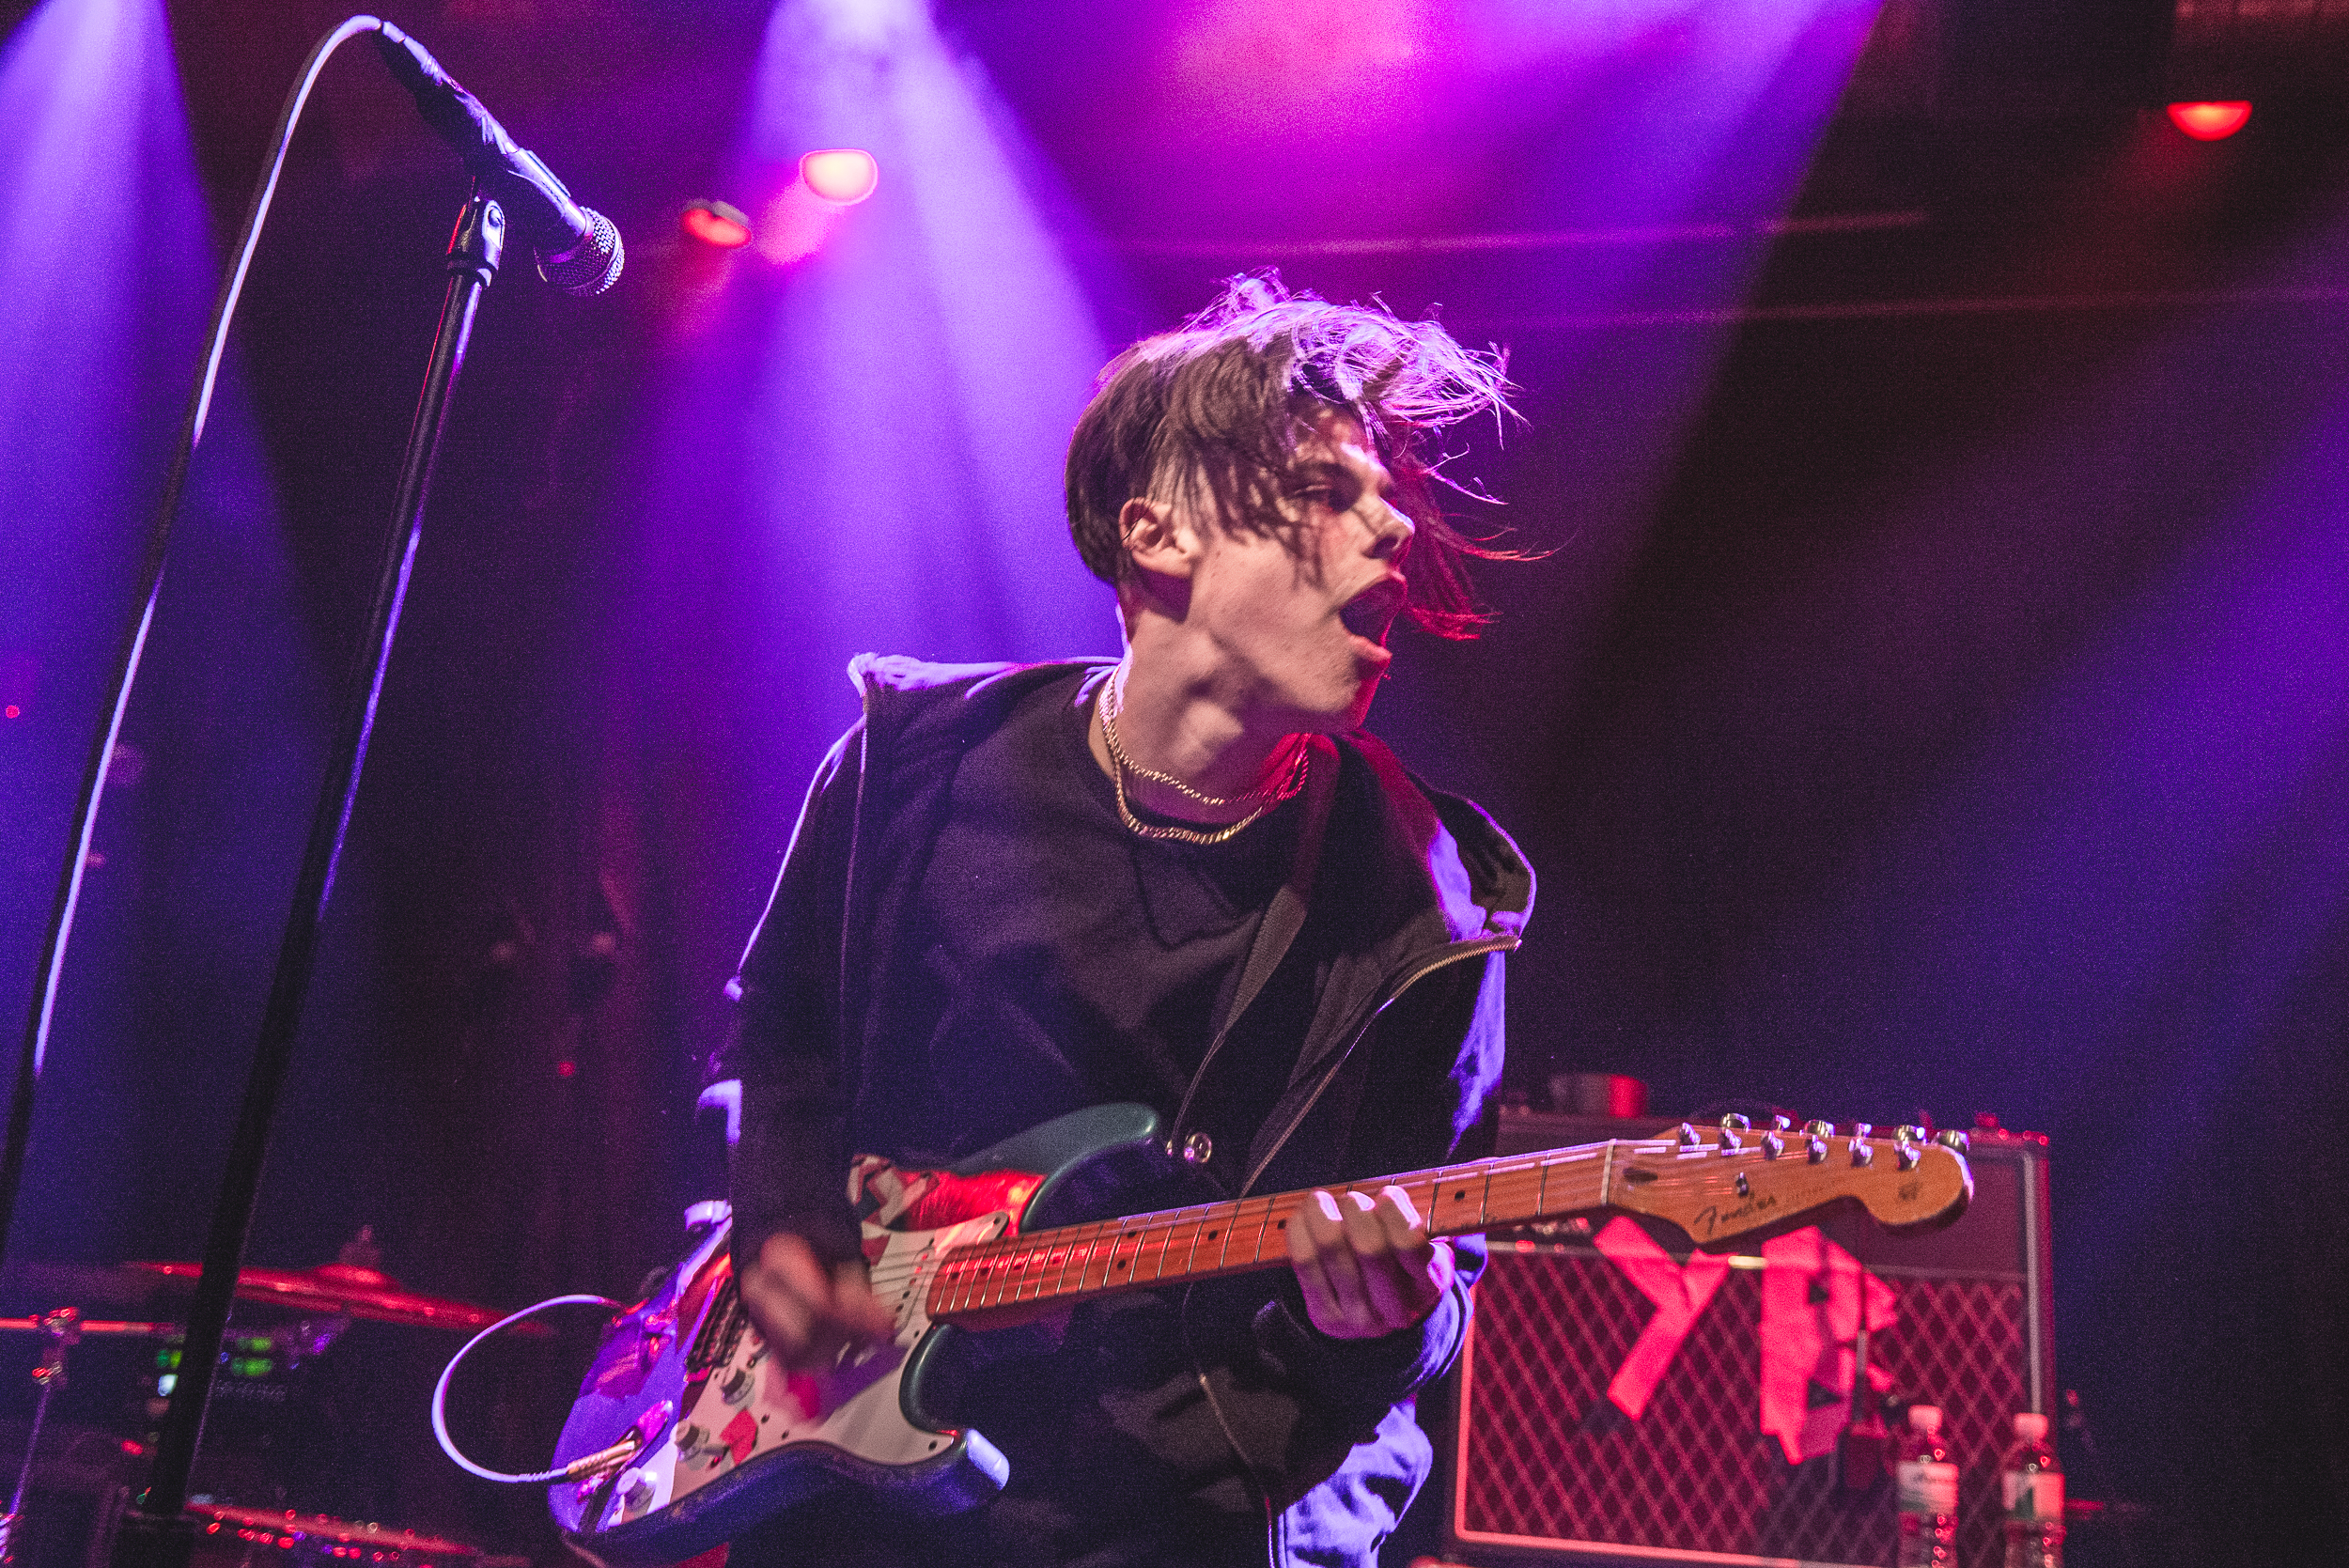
(154, 1532)
(63, 1330)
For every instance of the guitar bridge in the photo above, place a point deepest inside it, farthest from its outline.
(720, 1331)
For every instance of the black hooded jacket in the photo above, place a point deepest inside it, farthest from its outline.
(1405, 899)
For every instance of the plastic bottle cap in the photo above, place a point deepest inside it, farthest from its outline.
(1924, 1418)
(2030, 1426)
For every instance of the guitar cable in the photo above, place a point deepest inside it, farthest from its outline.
(588, 1464)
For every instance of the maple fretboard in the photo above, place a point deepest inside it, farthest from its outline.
(1713, 1189)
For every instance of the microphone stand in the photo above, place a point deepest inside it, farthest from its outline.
(155, 1532)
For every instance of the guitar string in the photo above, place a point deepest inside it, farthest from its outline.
(1153, 1227)
(1162, 1227)
(1168, 1230)
(1168, 1222)
(1169, 1235)
(1165, 1227)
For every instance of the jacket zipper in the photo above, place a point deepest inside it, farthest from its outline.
(1276, 1551)
(1411, 975)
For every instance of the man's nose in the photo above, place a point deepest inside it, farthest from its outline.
(1391, 532)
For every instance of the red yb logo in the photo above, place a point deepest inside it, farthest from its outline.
(1813, 1297)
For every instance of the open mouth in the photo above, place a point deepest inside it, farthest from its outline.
(1370, 612)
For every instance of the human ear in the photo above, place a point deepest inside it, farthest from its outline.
(1158, 542)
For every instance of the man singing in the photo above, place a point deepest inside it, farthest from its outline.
(1188, 880)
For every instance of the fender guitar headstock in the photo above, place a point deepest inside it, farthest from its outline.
(1727, 1183)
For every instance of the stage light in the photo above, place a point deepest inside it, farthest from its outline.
(841, 175)
(715, 223)
(2210, 122)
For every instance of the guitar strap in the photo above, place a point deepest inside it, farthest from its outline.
(1282, 919)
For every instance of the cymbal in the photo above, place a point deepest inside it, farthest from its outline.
(336, 1287)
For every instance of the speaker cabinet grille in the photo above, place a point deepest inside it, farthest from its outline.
(1545, 1464)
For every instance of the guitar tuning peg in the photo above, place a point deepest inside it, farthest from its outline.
(1907, 1139)
(1815, 1135)
(1863, 1129)
(1862, 1152)
(1908, 1135)
(1781, 1124)
(1952, 1138)
(1731, 1124)
(1688, 1139)
(1773, 1144)
(1818, 1129)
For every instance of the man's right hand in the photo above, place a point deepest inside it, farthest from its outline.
(808, 1315)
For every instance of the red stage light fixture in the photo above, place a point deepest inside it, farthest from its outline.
(2210, 122)
(714, 223)
(841, 175)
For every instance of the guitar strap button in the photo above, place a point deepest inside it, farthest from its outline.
(1198, 1149)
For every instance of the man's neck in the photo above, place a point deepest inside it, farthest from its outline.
(1179, 725)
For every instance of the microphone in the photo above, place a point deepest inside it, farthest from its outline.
(577, 248)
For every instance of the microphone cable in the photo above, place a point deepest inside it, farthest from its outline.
(133, 644)
(150, 587)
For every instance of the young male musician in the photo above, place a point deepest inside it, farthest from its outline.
(1187, 879)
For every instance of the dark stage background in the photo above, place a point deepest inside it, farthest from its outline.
(1930, 694)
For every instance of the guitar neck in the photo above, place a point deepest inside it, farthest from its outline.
(1019, 1276)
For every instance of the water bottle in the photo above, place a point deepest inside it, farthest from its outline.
(1925, 1489)
(2031, 1488)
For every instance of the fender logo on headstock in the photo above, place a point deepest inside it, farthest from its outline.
(1711, 1218)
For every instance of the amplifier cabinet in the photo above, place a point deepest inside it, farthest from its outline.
(1545, 1466)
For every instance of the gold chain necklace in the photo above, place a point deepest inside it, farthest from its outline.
(1266, 797)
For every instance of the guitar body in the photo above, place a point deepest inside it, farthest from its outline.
(724, 1440)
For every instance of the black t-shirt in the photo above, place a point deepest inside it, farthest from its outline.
(1057, 959)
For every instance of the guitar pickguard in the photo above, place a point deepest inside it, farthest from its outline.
(728, 1441)
(730, 1437)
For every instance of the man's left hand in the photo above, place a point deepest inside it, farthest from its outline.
(1366, 1268)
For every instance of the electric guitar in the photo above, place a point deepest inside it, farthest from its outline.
(684, 1433)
